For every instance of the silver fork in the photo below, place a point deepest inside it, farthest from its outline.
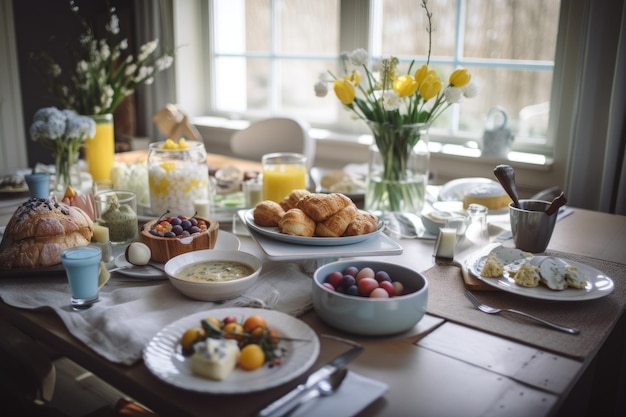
(492, 310)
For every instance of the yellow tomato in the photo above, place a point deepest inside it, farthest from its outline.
(253, 322)
(191, 337)
(232, 330)
(251, 357)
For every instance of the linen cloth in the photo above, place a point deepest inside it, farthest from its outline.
(446, 299)
(129, 314)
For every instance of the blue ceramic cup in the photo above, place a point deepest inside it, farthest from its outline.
(82, 265)
(38, 184)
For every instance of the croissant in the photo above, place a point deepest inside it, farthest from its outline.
(321, 206)
(292, 198)
(267, 213)
(362, 224)
(296, 223)
(336, 225)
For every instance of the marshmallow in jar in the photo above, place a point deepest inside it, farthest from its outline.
(178, 175)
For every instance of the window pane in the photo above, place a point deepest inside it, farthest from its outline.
(516, 29)
(404, 25)
(524, 95)
(307, 26)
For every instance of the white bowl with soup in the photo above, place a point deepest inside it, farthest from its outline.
(213, 275)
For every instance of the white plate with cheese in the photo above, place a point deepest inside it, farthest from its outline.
(598, 283)
(163, 354)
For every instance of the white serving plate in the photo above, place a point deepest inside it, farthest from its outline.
(225, 240)
(163, 356)
(599, 285)
(274, 233)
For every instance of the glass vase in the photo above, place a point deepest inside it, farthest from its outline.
(100, 150)
(397, 168)
(67, 171)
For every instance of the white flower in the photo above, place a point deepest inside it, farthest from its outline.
(453, 94)
(391, 100)
(123, 44)
(470, 90)
(146, 49)
(359, 57)
(164, 62)
(114, 24)
(321, 89)
(130, 69)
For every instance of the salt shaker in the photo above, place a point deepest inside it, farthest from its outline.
(477, 233)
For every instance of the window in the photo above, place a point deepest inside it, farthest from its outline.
(265, 56)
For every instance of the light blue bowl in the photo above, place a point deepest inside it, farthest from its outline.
(371, 316)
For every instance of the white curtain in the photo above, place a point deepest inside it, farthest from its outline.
(596, 170)
(154, 19)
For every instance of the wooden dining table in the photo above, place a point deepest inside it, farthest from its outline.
(457, 361)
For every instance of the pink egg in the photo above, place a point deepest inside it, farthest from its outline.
(366, 286)
(388, 286)
(365, 273)
(328, 285)
(398, 288)
(334, 278)
(379, 293)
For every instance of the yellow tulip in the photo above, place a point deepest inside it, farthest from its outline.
(355, 78)
(460, 77)
(430, 87)
(344, 90)
(421, 74)
(405, 85)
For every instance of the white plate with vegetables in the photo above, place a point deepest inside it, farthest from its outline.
(164, 357)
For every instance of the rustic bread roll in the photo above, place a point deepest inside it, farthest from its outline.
(320, 206)
(39, 230)
(336, 225)
(296, 223)
(292, 199)
(362, 224)
(267, 213)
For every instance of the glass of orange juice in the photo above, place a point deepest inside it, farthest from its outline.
(283, 173)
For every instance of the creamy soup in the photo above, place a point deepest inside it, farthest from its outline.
(214, 271)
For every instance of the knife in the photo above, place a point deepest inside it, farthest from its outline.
(290, 400)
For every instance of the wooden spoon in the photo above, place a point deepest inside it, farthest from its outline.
(558, 201)
(506, 176)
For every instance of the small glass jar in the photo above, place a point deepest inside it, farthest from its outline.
(177, 178)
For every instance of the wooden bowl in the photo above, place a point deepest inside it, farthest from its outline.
(165, 248)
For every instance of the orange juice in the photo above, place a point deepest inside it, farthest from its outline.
(100, 149)
(280, 179)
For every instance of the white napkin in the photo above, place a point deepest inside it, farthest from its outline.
(353, 395)
(129, 314)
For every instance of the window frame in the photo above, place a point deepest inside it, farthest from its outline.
(337, 150)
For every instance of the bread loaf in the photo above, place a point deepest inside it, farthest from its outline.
(291, 200)
(336, 225)
(267, 213)
(296, 223)
(363, 223)
(39, 230)
(319, 206)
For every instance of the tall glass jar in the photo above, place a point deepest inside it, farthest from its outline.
(177, 177)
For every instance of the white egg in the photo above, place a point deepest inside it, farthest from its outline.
(138, 253)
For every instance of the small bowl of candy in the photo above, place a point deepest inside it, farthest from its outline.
(370, 298)
(168, 237)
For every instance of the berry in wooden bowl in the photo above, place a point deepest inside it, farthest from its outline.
(168, 237)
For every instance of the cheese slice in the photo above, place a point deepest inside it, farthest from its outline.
(215, 358)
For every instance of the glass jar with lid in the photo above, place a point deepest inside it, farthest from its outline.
(178, 175)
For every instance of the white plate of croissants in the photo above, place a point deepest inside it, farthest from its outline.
(319, 219)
